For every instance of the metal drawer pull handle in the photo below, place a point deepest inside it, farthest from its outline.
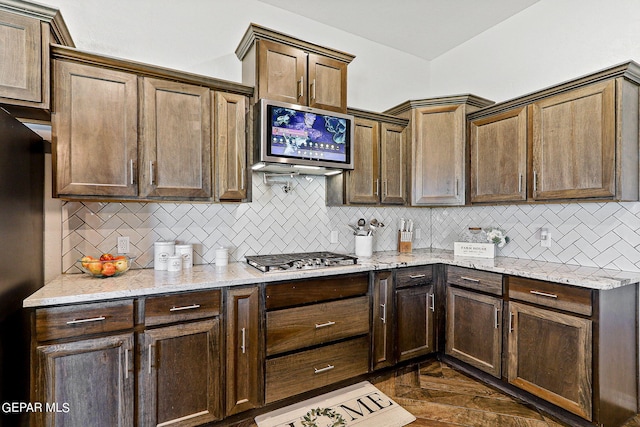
(186, 307)
(510, 321)
(497, 321)
(543, 294)
(149, 355)
(131, 171)
(470, 279)
(244, 343)
(417, 276)
(433, 302)
(384, 313)
(324, 325)
(126, 363)
(92, 319)
(321, 370)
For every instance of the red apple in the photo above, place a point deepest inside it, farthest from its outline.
(108, 269)
(86, 260)
(95, 267)
(106, 257)
(121, 264)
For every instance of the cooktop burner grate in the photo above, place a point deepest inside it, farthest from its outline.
(304, 260)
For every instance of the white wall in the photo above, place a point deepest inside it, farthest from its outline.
(550, 42)
(201, 36)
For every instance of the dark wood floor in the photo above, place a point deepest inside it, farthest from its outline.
(439, 396)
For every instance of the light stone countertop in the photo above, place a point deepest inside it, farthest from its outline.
(79, 288)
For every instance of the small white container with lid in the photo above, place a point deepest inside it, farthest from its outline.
(161, 253)
(186, 251)
(222, 257)
(174, 264)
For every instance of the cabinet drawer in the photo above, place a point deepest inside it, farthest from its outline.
(296, 373)
(288, 294)
(85, 319)
(181, 307)
(553, 295)
(300, 327)
(413, 276)
(475, 279)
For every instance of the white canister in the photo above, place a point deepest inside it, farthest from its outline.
(174, 263)
(161, 253)
(364, 246)
(186, 251)
(222, 256)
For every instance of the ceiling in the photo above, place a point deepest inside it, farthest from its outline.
(424, 28)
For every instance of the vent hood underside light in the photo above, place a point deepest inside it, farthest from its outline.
(294, 169)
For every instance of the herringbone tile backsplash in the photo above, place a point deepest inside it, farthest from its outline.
(595, 234)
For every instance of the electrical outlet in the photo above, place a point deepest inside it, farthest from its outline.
(334, 236)
(418, 233)
(545, 238)
(123, 244)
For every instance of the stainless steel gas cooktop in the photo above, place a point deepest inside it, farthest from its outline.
(299, 261)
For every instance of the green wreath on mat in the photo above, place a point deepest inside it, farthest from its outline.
(327, 416)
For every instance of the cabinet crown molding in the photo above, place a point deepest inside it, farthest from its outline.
(258, 32)
(44, 13)
(629, 70)
(468, 99)
(371, 115)
(147, 70)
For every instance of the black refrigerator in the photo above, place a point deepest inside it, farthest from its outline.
(21, 255)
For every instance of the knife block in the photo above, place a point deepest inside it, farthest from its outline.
(404, 241)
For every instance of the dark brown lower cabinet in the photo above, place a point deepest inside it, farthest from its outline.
(382, 320)
(243, 379)
(474, 329)
(86, 383)
(550, 355)
(179, 375)
(415, 328)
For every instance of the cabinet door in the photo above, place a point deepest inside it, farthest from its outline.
(230, 146)
(498, 147)
(95, 125)
(327, 83)
(415, 307)
(244, 373)
(88, 382)
(282, 73)
(574, 144)
(550, 356)
(176, 140)
(393, 164)
(21, 52)
(438, 150)
(473, 329)
(382, 317)
(363, 182)
(179, 376)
